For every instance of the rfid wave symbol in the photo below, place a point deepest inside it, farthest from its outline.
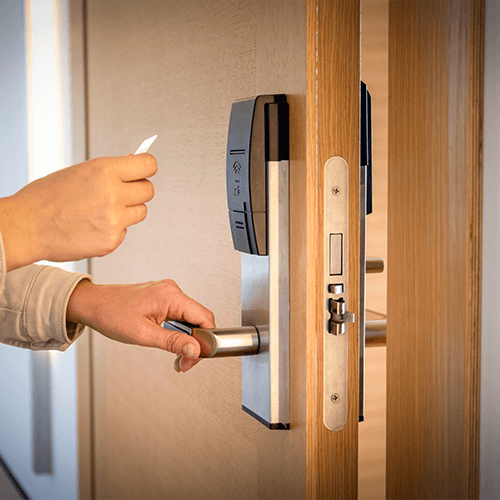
(237, 167)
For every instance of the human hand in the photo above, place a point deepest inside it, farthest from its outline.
(77, 212)
(133, 314)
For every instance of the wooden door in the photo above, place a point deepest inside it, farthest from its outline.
(173, 68)
(435, 199)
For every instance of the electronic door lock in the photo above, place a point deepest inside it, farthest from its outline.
(257, 175)
(257, 181)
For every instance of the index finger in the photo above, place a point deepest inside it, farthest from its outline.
(136, 167)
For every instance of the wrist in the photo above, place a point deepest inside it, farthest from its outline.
(17, 228)
(80, 304)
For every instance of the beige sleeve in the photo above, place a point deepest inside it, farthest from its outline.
(33, 303)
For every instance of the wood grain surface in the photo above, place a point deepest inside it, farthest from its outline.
(333, 60)
(435, 117)
(173, 68)
(475, 105)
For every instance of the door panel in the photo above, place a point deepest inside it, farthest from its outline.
(435, 120)
(174, 68)
(333, 121)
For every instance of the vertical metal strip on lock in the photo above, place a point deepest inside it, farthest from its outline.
(336, 297)
(265, 304)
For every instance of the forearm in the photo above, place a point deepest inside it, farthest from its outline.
(18, 231)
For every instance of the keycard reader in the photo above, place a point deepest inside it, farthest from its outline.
(258, 134)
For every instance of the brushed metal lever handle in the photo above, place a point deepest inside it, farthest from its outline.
(221, 342)
(226, 342)
(376, 332)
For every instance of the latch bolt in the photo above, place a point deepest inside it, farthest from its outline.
(339, 316)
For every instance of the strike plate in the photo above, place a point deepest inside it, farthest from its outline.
(336, 281)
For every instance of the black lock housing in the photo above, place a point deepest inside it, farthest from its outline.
(366, 148)
(258, 133)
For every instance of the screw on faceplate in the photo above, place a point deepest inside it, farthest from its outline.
(335, 190)
(335, 398)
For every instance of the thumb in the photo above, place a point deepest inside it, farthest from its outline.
(175, 342)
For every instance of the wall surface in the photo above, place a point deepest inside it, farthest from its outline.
(490, 399)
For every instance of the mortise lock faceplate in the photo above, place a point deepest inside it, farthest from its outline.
(336, 299)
